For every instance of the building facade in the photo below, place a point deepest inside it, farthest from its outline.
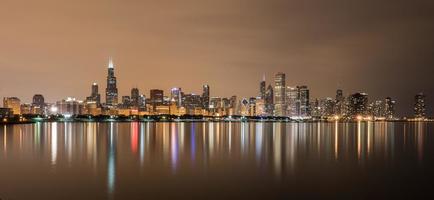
(111, 90)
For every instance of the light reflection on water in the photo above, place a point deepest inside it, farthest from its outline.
(138, 153)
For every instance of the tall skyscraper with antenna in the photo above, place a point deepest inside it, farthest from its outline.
(111, 90)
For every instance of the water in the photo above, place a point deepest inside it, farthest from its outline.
(217, 160)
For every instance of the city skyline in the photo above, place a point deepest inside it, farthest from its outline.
(226, 45)
(282, 101)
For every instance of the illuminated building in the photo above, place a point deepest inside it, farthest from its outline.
(233, 102)
(260, 107)
(292, 101)
(419, 106)
(329, 107)
(252, 106)
(279, 94)
(173, 108)
(26, 108)
(316, 109)
(70, 106)
(38, 100)
(135, 98)
(92, 108)
(142, 102)
(303, 99)
(176, 96)
(357, 104)
(191, 102)
(94, 95)
(157, 98)
(376, 109)
(244, 107)
(13, 103)
(205, 97)
(38, 104)
(322, 107)
(389, 108)
(262, 88)
(126, 102)
(269, 100)
(339, 102)
(162, 110)
(215, 104)
(111, 90)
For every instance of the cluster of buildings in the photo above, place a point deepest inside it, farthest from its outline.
(278, 100)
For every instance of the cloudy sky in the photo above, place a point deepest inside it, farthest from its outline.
(59, 48)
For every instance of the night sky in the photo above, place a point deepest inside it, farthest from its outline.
(59, 48)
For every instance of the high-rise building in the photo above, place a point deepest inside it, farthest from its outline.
(176, 96)
(205, 97)
(94, 96)
(327, 105)
(244, 107)
(279, 94)
(38, 104)
(126, 102)
(135, 98)
(269, 100)
(357, 104)
(252, 106)
(38, 100)
(14, 103)
(389, 108)
(157, 97)
(292, 101)
(111, 90)
(142, 102)
(419, 106)
(376, 109)
(192, 101)
(303, 98)
(339, 102)
(260, 107)
(262, 88)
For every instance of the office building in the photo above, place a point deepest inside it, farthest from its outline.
(111, 90)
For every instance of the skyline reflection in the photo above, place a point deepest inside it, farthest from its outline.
(281, 149)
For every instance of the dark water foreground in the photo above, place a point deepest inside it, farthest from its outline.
(364, 160)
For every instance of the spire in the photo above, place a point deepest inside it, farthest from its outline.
(110, 64)
(263, 77)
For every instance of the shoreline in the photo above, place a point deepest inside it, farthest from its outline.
(192, 119)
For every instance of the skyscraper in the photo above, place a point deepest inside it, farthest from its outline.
(269, 100)
(339, 102)
(205, 97)
(38, 104)
(262, 88)
(94, 96)
(389, 108)
(135, 97)
(111, 90)
(419, 106)
(292, 101)
(38, 100)
(176, 96)
(157, 97)
(279, 94)
(358, 104)
(303, 98)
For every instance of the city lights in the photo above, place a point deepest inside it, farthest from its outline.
(278, 103)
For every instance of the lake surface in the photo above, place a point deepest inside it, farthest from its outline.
(365, 160)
